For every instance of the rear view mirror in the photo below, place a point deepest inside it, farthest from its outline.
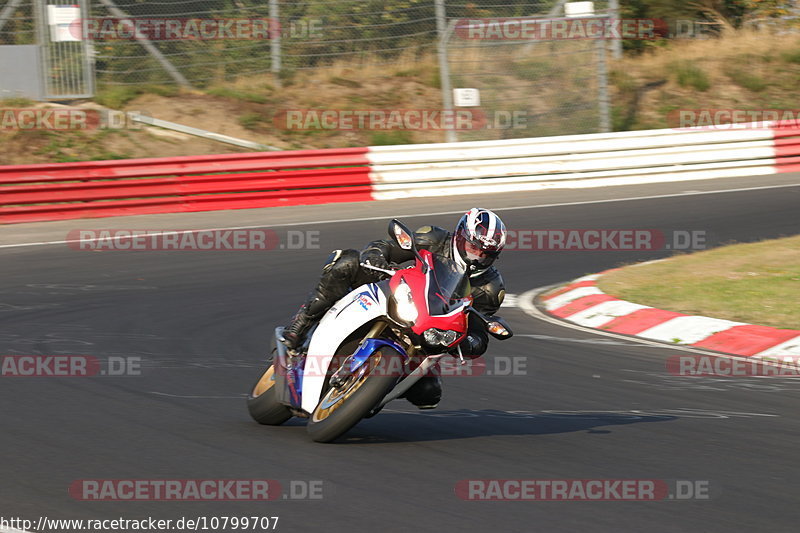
(404, 238)
(498, 328)
(401, 234)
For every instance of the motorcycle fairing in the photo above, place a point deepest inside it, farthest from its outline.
(362, 305)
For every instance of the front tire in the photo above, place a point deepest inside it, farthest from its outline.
(262, 401)
(342, 408)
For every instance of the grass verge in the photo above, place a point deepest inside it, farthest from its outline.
(757, 283)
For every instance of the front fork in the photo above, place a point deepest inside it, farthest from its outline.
(367, 347)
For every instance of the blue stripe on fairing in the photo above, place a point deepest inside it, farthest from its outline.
(368, 347)
(372, 291)
(373, 288)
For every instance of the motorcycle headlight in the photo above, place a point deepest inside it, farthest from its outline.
(405, 308)
(439, 337)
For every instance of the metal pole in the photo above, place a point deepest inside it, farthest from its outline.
(604, 103)
(444, 68)
(275, 40)
(149, 46)
(8, 11)
(42, 41)
(616, 44)
(143, 119)
(88, 54)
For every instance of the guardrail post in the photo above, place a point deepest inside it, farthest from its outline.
(275, 41)
(444, 68)
(604, 102)
(616, 44)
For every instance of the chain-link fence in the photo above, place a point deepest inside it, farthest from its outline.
(17, 23)
(303, 35)
(532, 81)
(527, 87)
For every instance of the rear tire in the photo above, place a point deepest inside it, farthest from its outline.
(262, 401)
(357, 398)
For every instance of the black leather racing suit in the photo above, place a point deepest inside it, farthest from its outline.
(343, 272)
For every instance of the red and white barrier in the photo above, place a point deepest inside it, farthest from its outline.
(579, 161)
(236, 181)
(182, 184)
(582, 302)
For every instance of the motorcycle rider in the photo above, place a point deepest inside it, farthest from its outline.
(477, 241)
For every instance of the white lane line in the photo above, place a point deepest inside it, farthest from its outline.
(412, 215)
(579, 341)
(510, 300)
(590, 277)
(190, 397)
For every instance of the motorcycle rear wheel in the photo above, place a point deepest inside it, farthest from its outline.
(262, 401)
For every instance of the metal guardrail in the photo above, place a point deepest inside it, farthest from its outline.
(182, 184)
(235, 181)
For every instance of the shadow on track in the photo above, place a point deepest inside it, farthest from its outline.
(398, 426)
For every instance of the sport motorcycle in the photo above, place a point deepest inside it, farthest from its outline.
(372, 346)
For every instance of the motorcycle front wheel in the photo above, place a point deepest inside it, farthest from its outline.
(343, 407)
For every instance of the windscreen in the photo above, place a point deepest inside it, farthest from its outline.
(448, 284)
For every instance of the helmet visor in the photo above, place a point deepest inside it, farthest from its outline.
(477, 256)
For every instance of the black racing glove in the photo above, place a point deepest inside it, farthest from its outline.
(374, 257)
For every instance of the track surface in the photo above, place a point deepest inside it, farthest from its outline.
(588, 407)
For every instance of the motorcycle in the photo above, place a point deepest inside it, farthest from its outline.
(371, 346)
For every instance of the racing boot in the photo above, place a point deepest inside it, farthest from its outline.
(425, 393)
(295, 333)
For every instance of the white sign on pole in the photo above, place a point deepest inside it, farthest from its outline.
(466, 97)
(579, 9)
(65, 23)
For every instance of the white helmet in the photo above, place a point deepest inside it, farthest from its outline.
(479, 237)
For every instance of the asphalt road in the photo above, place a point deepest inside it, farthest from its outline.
(583, 406)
